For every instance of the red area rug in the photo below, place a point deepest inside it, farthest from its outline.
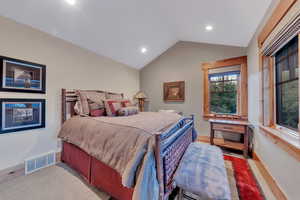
(242, 182)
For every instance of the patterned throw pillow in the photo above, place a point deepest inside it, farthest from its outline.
(89, 100)
(112, 106)
(126, 103)
(126, 111)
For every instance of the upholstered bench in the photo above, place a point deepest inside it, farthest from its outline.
(202, 173)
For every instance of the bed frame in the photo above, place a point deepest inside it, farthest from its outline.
(169, 149)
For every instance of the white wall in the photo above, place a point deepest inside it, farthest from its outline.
(282, 166)
(68, 66)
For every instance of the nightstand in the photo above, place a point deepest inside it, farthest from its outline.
(231, 126)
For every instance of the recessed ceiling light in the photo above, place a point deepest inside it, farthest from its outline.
(71, 2)
(209, 27)
(144, 50)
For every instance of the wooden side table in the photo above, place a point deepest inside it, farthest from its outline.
(237, 127)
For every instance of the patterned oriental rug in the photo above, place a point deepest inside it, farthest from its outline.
(242, 182)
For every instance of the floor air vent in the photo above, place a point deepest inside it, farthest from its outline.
(39, 162)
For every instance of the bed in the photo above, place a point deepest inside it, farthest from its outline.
(168, 148)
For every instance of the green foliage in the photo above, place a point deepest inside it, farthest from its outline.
(289, 109)
(223, 97)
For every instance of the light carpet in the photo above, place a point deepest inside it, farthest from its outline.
(53, 183)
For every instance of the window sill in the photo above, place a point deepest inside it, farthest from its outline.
(286, 141)
(225, 117)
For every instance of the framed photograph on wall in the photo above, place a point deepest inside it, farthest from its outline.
(174, 91)
(21, 114)
(22, 76)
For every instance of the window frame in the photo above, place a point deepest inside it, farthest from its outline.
(242, 93)
(286, 128)
(273, 98)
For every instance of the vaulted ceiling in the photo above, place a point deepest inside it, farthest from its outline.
(119, 29)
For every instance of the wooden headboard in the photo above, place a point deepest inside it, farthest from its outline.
(69, 99)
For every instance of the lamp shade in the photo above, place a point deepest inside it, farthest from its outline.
(140, 95)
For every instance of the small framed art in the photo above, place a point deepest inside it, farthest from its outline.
(174, 91)
(21, 114)
(22, 76)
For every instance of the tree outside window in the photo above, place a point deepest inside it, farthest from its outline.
(223, 92)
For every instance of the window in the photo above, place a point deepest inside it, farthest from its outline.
(225, 89)
(287, 103)
(223, 92)
(278, 67)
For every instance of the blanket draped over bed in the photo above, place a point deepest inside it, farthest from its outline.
(126, 144)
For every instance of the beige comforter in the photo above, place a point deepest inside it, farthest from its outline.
(119, 142)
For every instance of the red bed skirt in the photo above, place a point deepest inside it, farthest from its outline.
(95, 172)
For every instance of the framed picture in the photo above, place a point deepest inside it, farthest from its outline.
(22, 76)
(21, 114)
(174, 91)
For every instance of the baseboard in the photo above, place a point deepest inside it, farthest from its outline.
(18, 170)
(278, 193)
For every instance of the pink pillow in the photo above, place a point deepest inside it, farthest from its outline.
(97, 112)
(112, 106)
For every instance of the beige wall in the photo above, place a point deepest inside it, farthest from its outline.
(182, 62)
(283, 167)
(68, 66)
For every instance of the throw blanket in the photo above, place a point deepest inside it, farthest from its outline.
(126, 144)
